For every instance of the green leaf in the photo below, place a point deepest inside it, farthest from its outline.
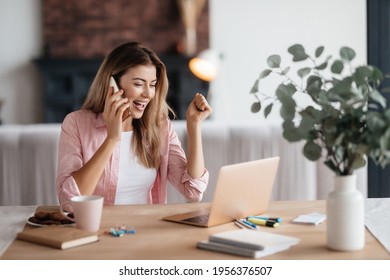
(377, 75)
(268, 110)
(343, 88)
(313, 86)
(358, 161)
(290, 132)
(328, 58)
(256, 107)
(337, 66)
(255, 87)
(329, 126)
(283, 91)
(322, 66)
(285, 70)
(376, 96)
(284, 94)
(323, 99)
(312, 151)
(265, 73)
(288, 125)
(347, 53)
(362, 75)
(339, 140)
(304, 72)
(287, 112)
(298, 52)
(274, 61)
(309, 118)
(291, 135)
(319, 51)
(375, 122)
(368, 73)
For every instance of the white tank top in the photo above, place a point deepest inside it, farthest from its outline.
(134, 179)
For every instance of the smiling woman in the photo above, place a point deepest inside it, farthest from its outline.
(121, 144)
(138, 85)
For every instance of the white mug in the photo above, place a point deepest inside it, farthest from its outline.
(87, 211)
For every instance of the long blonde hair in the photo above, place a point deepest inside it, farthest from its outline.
(120, 60)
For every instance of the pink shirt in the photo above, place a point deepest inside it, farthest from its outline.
(83, 132)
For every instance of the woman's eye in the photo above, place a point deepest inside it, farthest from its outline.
(153, 85)
(138, 85)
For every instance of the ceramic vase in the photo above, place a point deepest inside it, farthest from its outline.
(345, 215)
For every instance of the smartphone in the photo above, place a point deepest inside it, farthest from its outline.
(116, 89)
(114, 84)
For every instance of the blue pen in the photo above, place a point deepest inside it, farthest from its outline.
(278, 220)
(242, 224)
(245, 224)
(248, 223)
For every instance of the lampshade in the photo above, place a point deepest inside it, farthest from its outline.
(205, 65)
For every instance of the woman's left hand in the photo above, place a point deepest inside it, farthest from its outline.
(199, 109)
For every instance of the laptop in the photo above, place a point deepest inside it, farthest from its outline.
(242, 189)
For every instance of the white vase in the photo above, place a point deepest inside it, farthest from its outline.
(345, 215)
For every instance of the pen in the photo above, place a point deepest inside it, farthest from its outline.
(261, 222)
(239, 225)
(276, 219)
(246, 224)
(249, 223)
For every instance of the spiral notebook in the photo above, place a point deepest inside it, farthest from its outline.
(238, 251)
(248, 243)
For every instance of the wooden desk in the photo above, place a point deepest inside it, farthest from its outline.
(157, 239)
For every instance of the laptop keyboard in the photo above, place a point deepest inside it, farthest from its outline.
(202, 219)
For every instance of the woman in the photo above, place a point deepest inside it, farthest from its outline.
(121, 144)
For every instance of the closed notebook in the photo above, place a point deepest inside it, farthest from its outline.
(239, 251)
(58, 236)
(252, 239)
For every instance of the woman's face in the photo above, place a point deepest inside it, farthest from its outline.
(139, 85)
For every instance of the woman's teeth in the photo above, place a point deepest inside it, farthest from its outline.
(139, 105)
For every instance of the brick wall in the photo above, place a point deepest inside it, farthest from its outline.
(92, 28)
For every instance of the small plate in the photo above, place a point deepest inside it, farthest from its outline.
(43, 225)
(36, 225)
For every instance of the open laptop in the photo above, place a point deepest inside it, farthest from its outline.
(242, 189)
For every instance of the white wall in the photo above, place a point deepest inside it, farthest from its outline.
(246, 32)
(21, 41)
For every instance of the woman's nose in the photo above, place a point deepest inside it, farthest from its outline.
(148, 92)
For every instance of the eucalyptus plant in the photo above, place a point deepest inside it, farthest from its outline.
(347, 120)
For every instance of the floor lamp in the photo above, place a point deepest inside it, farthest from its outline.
(205, 66)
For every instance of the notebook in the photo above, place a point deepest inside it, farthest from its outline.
(252, 239)
(248, 243)
(242, 189)
(61, 237)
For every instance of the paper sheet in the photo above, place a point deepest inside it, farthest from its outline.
(314, 218)
(12, 220)
(377, 219)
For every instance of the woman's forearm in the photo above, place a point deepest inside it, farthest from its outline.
(88, 176)
(195, 158)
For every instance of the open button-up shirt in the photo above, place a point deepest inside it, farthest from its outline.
(83, 132)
